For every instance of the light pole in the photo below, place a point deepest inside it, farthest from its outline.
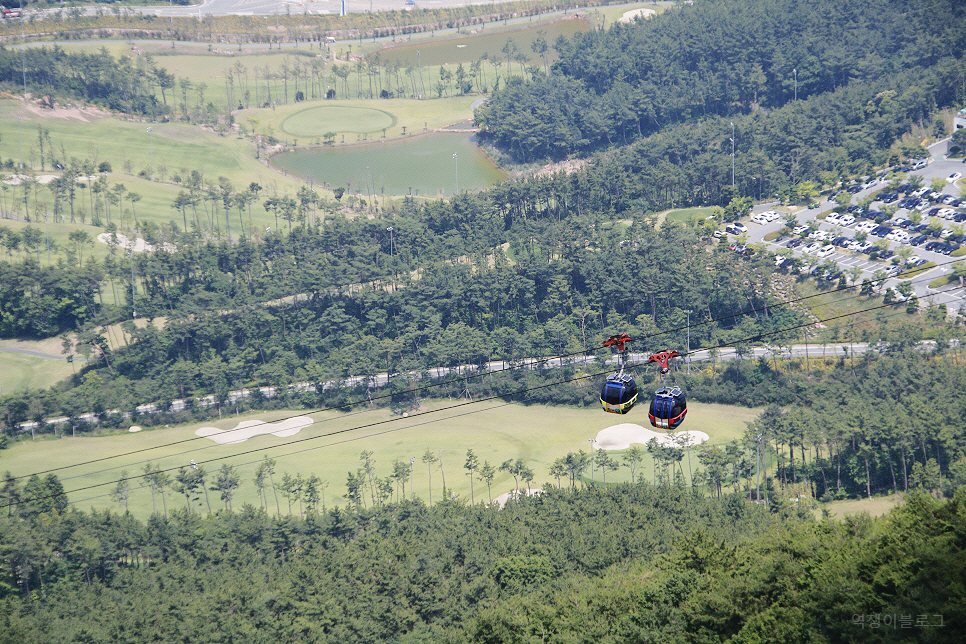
(795, 71)
(412, 491)
(689, 341)
(591, 441)
(732, 155)
(390, 240)
(456, 159)
(419, 65)
(47, 234)
(758, 466)
(134, 313)
(151, 148)
(20, 134)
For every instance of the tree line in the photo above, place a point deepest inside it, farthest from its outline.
(628, 562)
(671, 93)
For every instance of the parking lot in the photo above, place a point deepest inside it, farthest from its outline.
(926, 226)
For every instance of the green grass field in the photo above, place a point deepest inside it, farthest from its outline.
(487, 42)
(317, 121)
(876, 506)
(19, 371)
(494, 431)
(689, 214)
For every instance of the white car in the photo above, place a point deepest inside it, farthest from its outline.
(818, 235)
(740, 226)
(865, 227)
(900, 236)
(833, 218)
(811, 248)
(825, 251)
(956, 176)
(798, 230)
(771, 215)
(846, 220)
(860, 247)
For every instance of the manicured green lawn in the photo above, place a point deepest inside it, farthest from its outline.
(689, 214)
(317, 121)
(495, 432)
(20, 371)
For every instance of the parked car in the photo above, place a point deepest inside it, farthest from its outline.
(956, 176)
(811, 248)
(846, 220)
(881, 231)
(825, 251)
(918, 240)
(793, 243)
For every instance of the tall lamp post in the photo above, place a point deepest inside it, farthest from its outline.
(456, 159)
(20, 134)
(389, 230)
(134, 312)
(591, 441)
(732, 155)
(795, 72)
(689, 341)
(412, 491)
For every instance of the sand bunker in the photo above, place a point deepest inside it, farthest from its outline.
(251, 428)
(623, 435)
(630, 15)
(137, 245)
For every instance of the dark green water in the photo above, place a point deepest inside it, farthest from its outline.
(422, 165)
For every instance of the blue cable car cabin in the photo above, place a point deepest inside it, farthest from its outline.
(668, 408)
(619, 393)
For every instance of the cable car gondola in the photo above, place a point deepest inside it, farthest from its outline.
(668, 407)
(619, 393)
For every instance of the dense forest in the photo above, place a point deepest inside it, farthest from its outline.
(812, 89)
(534, 267)
(631, 563)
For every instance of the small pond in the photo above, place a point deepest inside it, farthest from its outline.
(429, 164)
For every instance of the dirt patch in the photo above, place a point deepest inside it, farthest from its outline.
(85, 114)
(567, 167)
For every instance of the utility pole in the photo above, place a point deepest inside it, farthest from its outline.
(795, 71)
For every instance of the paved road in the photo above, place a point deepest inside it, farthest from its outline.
(31, 352)
(298, 7)
(640, 359)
